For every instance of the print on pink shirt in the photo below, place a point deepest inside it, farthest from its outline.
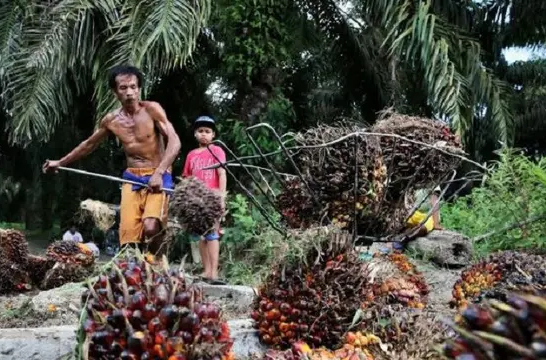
(199, 159)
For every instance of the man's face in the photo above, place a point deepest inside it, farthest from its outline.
(204, 135)
(127, 90)
(73, 230)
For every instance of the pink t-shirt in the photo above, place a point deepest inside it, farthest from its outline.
(201, 158)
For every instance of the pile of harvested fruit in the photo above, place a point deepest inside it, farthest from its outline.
(498, 274)
(365, 181)
(354, 347)
(13, 260)
(313, 299)
(407, 159)
(515, 329)
(142, 309)
(65, 262)
(401, 283)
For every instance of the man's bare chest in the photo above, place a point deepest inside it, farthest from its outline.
(139, 127)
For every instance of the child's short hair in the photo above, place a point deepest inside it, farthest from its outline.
(204, 121)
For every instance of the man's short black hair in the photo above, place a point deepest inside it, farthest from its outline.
(124, 70)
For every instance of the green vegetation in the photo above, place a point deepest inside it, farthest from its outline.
(291, 64)
(513, 197)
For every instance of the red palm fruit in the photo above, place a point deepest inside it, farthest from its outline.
(174, 345)
(161, 295)
(187, 337)
(136, 319)
(285, 308)
(149, 312)
(296, 313)
(182, 299)
(255, 315)
(273, 314)
(154, 325)
(168, 315)
(104, 338)
(201, 310)
(284, 327)
(267, 339)
(205, 334)
(213, 311)
(137, 342)
(138, 301)
(161, 337)
(159, 352)
(177, 357)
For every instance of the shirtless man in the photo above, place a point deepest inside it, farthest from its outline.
(142, 127)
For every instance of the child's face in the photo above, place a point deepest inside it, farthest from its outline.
(204, 135)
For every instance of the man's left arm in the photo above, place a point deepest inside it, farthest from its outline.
(173, 143)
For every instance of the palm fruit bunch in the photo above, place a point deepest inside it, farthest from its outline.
(72, 262)
(405, 333)
(13, 276)
(313, 298)
(498, 274)
(196, 207)
(70, 252)
(409, 162)
(332, 171)
(515, 329)
(296, 205)
(354, 348)
(139, 308)
(397, 281)
(14, 246)
(37, 267)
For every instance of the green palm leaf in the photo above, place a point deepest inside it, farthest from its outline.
(66, 44)
(455, 78)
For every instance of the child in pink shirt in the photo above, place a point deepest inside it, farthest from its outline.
(198, 159)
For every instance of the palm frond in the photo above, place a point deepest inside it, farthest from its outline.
(527, 72)
(11, 14)
(80, 39)
(455, 78)
(157, 36)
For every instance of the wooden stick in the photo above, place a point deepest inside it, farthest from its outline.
(108, 177)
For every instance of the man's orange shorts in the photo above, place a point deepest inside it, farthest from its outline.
(138, 205)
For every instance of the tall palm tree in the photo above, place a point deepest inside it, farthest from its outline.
(51, 52)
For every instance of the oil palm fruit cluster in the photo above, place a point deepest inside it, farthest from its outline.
(14, 278)
(138, 309)
(398, 281)
(313, 299)
(332, 171)
(407, 159)
(72, 262)
(407, 333)
(196, 207)
(498, 274)
(354, 348)
(296, 205)
(14, 246)
(515, 329)
(70, 252)
(37, 267)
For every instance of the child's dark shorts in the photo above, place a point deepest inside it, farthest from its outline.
(211, 236)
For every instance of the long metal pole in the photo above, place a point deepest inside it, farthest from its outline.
(108, 177)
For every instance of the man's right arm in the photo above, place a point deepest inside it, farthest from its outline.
(84, 148)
